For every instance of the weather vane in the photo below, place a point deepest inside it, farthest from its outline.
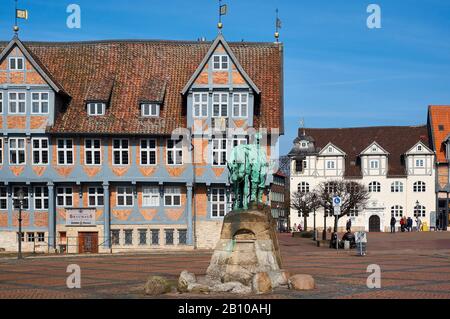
(277, 26)
(19, 14)
(223, 9)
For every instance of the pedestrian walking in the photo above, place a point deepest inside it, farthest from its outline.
(419, 224)
(402, 224)
(409, 223)
(393, 222)
(348, 226)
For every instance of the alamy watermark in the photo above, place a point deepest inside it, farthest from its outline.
(374, 279)
(74, 279)
(74, 19)
(374, 20)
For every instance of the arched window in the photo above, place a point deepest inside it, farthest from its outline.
(330, 187)
(397, 211)
(419, 211)
(303, 187)
(419, 187)
(375, 187)
(397, 187)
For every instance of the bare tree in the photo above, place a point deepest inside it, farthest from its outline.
(305, 202)
(354, 196)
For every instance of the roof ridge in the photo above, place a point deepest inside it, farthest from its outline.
(366, 127)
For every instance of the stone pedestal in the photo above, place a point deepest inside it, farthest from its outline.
(248, 245)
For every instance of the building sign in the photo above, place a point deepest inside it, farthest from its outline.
(80, 216)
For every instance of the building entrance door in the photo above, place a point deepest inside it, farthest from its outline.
(374, 224)
(87, 242)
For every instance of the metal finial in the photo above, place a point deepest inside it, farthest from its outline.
(277, 26)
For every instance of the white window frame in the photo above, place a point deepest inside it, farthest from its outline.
(97, 193)
(223, 61)
(421, 161)
(374, 187)
(40, 150)
(16, 59)
(93, 151)
(397, 187)
(239, 141)
(64, 195)
(200, 107)
(149, 150)
(121, 150)
(220, 151)
(240, 105)
(16, 149)
(97, 111)
(150, 109)
(40, 198)
(303, 187)
(420, 211)
(65, 151)
(124, 192)
(150, 196)
(216, 193)
(221, 104)
(419, 147)
(1, 150)
(1, 102)
(175, 150)
(331, 167)
(172, 193)
(40, 102)
(3, 198)
(374, 164)
(397, 211)
(17, 102)
(419, 187)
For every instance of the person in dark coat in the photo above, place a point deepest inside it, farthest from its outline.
(348, 226)
(409, 224)
(393, 221)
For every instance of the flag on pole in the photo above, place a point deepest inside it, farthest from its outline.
(223, 10)
(278, 23)
(22, 14)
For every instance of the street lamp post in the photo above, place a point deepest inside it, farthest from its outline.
(314, 214)
(325, 212)
(19, 201)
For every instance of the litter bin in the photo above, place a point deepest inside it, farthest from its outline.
(346, 244)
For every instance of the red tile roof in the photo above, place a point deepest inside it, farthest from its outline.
(133, 65)
(396, 140)
(439, 122)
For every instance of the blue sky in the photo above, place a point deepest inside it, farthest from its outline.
(338, 73)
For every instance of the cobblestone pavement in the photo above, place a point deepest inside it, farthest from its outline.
(413, 265)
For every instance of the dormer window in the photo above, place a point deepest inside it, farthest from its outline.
(220, 62)
(330, 150)
(149, 109)
(374, 149)
(419, 147)
(304, 144)
(374, 164)
(16, 64)
(420, 163)
(96, 109)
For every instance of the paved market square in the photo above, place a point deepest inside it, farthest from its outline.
(413, 265)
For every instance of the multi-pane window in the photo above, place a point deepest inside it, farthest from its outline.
(218, 202)
(182, 236)
(128, 237)
(41, 198)
(64, 196)
(240, 104)
(17, 103)
(120, 151)
(95, 196)
(17, 151)
(3, 198)
(142, 236)
(220, 62)
(374, 164)
(397, 211)
(172, 196)
(331, 164)
(397, 187)
(419, 187)
(40, 237)
(15, 196)
(30, 237)
(115, 237)
(95, 109)
(330, 187)
(420, 163)
(174, 152)
(149, 109)
(374, 187)
(124, 196)
(219, 152)
(169, 236)
(354, 212)
(92, 152)
(1, 102)
(239, 141)
(419, 211)
(16, 63)
(65, 151)
(220, 104)
(303, 187)
(1, 151)
(39, 103)
(150, 196)
(200, 104)
(155, 236)
(40, 151)
(148, 151)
